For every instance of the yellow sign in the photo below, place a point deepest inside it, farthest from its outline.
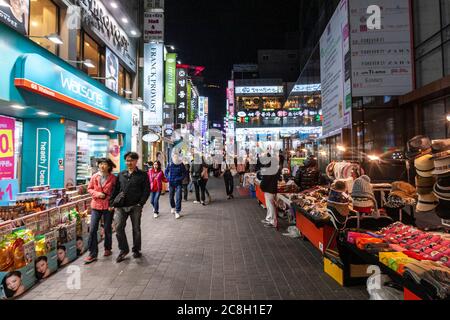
(6, 143)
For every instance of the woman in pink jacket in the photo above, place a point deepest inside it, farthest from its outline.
(101, 187)
(156, 178)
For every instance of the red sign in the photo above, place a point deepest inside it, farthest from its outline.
(7, 164)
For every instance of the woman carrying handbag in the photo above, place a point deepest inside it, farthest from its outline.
(156, 178)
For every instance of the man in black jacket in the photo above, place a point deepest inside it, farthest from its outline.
(129, 197)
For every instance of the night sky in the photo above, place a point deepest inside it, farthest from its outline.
(216, 34)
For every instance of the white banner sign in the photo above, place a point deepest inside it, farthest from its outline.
(334, 47)
(260, 90)
(381, 58)
(112, 71)
(153, 83)
(153, 26)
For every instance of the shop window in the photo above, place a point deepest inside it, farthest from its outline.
(44, 21)
(447, 58)
(434, 119)
(429, 68)
(92, 52)
(425, 22)
(445, 12)
(121, 81)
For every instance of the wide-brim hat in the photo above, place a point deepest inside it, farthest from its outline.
(342, 208)
(427, 202)
(424, 165)
(440, 147)
(442, 165)
(441, 188)
(418, 146)
(403, 190)
(443, 209)
(425, 185)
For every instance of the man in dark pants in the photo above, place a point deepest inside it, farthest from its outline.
(228, 178)
(135, 186)
(175, 173)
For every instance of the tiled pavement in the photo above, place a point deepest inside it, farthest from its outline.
(221, 251)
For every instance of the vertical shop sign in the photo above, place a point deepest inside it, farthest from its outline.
(114, 154)
(43, 151)
(230, 98)
(181, 110)
(70, 153)
(189, 101)
(381, 58)
(336, 83)
(112, 71)
(168, 114)
(153, 83)
(7, 128)
(171, 74)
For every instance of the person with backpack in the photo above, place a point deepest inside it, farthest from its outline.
(157, 178)
(175, 173)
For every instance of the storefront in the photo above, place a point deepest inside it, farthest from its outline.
(63, 112)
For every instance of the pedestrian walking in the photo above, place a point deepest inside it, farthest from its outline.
(175, 173)
(129, 197)
(157, 178)
(269, 185)
(186, 181)
(228, 171)
(101, 187)
(199, 175)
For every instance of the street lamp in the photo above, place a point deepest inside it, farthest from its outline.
(373, 158)
(448, 117)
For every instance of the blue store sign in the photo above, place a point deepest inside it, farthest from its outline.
(43, 146)
(63, 86)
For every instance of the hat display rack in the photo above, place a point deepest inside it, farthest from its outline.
(432, 165)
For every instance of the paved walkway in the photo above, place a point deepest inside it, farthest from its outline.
(221, 251)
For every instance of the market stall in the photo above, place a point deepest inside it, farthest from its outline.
(42, 231)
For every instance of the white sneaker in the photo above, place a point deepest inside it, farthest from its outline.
(196, 202)
(155, 215)
(173, 211)
(177, 216)
(154, 211)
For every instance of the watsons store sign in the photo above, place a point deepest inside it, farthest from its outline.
(82, 90)
(62, 85)
(43, 142)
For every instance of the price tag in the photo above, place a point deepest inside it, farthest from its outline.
(8, 191)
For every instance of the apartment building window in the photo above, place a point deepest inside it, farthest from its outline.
(92, 51)
(124, 81)
(431, 39)
(265, 58)
(44, 17)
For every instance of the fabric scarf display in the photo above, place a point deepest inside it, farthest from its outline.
(431, 275)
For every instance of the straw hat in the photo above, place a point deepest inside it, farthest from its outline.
(424, 165)
(427, 202)
(425, 185)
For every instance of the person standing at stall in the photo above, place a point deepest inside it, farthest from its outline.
(101, 186)
(129, 197)
(269, 185)
(156, 178)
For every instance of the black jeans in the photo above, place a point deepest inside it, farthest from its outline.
(229, 184)
(185, 191)
(122, 214)
(96, 216)
(200, 189)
